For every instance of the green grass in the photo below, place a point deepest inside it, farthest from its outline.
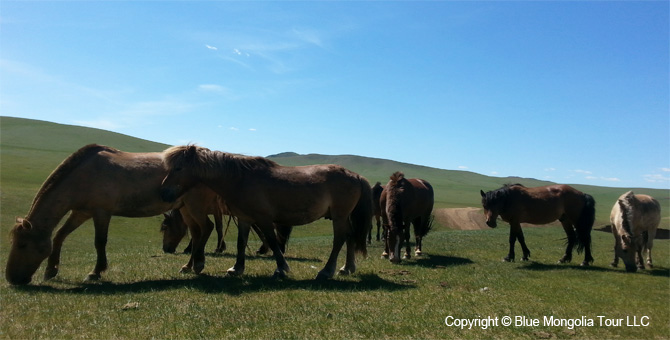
(142, 295)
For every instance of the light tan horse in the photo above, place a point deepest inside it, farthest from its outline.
(95, 182)
(634, 219)
(258, 190)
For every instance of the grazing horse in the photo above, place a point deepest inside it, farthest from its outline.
(174, 226)
(634, 219)
(95, 182)
(376, 208)
(258, 190)
(405, 201)
(174, 229)
(517, 204)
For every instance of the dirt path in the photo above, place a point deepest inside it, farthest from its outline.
(461, 218)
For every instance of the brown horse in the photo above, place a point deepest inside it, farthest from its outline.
(405, 201)
(95, 182)
(174, 226)
(258, 190)
(634, 219)
(376, 208)
(517, 204)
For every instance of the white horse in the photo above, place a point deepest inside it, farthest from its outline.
(634, 219)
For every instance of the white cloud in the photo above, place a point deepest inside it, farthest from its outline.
(656, 178)
(211, 47)
(494, 173)
(585, 172)
(665, 169)
(252, 129)
(233, 128)
(462, 167)
(550, 169)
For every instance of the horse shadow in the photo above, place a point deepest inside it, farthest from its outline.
(438, 261)
(537, 266)
(230, 285)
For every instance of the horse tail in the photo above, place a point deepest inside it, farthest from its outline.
(585, 223)
(361, 218)
(424, 227)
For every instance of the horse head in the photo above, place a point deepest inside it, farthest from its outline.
(492, 207)
(179, 162)
(629, 242)
(173, 229)
(30, 246)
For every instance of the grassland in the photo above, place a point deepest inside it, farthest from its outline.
(142, 296)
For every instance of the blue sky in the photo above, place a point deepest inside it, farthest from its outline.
(572, 92)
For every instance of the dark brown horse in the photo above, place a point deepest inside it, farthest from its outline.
(258, 190)
(405, 201)
(517, 204)
(95, 182)
(376, 208)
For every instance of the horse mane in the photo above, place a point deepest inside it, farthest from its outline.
(397, 176)
(501, 193)
(67, 166)
(206, 163)
(626, 205)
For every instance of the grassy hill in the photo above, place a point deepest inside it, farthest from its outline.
(31, 149)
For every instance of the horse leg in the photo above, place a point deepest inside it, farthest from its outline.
(350, 264)
(282, 267)
(283, 234)
(385, 231)
(651, 234)
(73, 222)
(340, 228)
(418, 239)
(572, 238)
(264, 248)
(189, 248)
(220, 242)
(101, 221)
(512, 241)
(408, 248)
(379, 225)
(242, 238)
(522, 242)
(617, 248)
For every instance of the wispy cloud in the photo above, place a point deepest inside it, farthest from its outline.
(657, 178)
(585, 172)
(462, 167)
(549, 169)
(211, 47)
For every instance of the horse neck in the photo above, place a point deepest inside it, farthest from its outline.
(47, 210)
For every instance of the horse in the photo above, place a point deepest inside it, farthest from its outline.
(376, 208)
(517, 204)
(174, 226)
(405, 201)
(95, 182)
(634, 219)
(174, 229)
(258, 190)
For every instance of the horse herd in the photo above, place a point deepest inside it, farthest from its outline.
(188, 183)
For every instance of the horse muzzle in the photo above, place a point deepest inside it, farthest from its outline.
(491, 223)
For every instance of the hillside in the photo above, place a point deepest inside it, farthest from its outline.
(31, 149)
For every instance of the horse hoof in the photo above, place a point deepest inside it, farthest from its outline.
(524, 259)
(585, 264)
(323, 276)
(406, 257)
(385, 255)
(279, 275)
(235, 272)
(614, 264)
(185, 270)
(418, 253)
(508, 259)
(198, 267)
(92, 277)
(50, 273)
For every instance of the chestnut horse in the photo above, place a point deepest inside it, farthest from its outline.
(405, 201)
(376, 208)
(634, 219)
(95, 182)
(258, 190)
(174, 226)
(517, 204)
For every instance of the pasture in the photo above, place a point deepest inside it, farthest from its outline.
(142, 295)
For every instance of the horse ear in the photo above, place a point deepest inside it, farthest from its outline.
(482, 193)
(25, 224)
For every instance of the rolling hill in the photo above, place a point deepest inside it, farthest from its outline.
(31, 149)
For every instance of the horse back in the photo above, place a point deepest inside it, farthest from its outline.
(545, 204)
